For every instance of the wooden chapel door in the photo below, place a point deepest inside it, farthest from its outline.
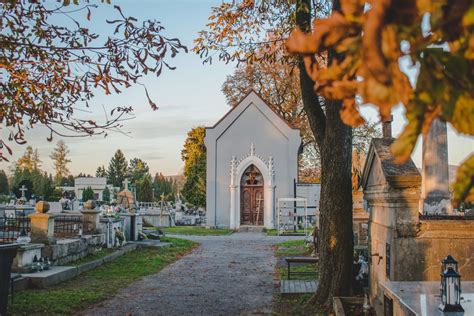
(251, 197)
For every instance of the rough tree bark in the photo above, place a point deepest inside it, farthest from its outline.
(334, 139)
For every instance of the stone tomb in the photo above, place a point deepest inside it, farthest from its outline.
(403, 244)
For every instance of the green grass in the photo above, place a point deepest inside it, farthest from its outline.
(293, 248)
(88, 288)
(196, 231)
(91, 257)
(291, 251)
(283, 272)
(291, 243)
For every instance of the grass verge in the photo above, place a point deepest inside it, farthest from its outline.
(296, 305)
(196, 231)
(91, 257)
(79, 293)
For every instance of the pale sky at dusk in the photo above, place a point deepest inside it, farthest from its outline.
(187, 97)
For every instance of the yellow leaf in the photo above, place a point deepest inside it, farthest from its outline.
(463, 114)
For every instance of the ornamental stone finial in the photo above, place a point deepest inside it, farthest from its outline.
(252, 149)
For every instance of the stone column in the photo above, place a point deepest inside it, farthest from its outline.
(435, 175)
(91, 218)
(269, 196)
(233, 194)
(42, 224)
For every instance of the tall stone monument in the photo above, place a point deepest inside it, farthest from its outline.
(435, 176)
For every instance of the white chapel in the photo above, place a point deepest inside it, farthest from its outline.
(252, 159)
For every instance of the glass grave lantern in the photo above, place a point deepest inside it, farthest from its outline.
(449, 262)
(450, 291)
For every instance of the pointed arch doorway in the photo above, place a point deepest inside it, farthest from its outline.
(252, 197)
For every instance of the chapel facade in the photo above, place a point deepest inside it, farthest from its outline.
(252, 160)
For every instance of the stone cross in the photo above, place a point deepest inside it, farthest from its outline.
(125, 184)
(435, 175)
(23, 190)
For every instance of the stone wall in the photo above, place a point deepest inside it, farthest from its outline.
(67, 250)
(404, 246)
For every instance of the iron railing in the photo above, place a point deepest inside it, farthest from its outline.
(68, 225)
(12, 226)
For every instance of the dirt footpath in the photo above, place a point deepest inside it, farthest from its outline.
(226, 275)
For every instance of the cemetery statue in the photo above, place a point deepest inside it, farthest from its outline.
(119, 236)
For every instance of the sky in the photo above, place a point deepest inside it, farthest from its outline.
(187, 97)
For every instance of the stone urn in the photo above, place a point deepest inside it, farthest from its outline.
(42, 207)
(89, 205)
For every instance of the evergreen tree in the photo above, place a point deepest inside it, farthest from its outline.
(165, 186)
(117, 170)
(194, 189)
(193, 148)
(145, 190)
(87, 194)
(137, 170)
(59, 156)
(106, 195)
(4, 187)
(194, 157)
(30, 160)
(101, 172)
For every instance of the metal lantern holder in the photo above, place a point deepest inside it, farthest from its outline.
(450, 287)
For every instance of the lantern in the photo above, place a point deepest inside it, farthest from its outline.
(450, 291)
(449, 262)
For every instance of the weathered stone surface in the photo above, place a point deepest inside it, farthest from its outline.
(42, 228)
(435, 187)
(89, 205)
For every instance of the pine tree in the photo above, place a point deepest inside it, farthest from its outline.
(106, 195)
(4, 188)
(59, 156)
(117, 171)
(87, 194)
(137, 170)
(101, 172)
(145, 190)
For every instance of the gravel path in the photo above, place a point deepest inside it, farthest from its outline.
(226, 275)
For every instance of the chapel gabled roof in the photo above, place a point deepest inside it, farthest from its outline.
(396, 175)
(242, 101)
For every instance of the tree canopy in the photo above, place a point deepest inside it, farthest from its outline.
(118, 169)
(59, 156)
(194, 157)
(53, 64)
(437, 36)
(137, 170)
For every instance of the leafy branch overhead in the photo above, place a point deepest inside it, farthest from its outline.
(48, 69)
(437, 36)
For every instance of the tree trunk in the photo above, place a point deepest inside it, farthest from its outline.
(334, 139)
(335, 206)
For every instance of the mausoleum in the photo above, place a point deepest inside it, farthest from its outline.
(252, 159)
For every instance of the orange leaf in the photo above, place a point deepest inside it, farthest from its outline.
(350, 114)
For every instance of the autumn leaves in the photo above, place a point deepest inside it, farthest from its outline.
(360, 45)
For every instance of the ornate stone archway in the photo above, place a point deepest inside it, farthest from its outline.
(237, 169)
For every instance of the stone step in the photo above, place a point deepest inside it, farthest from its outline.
(251, 229)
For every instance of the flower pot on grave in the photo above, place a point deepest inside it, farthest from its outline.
(7, 254)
